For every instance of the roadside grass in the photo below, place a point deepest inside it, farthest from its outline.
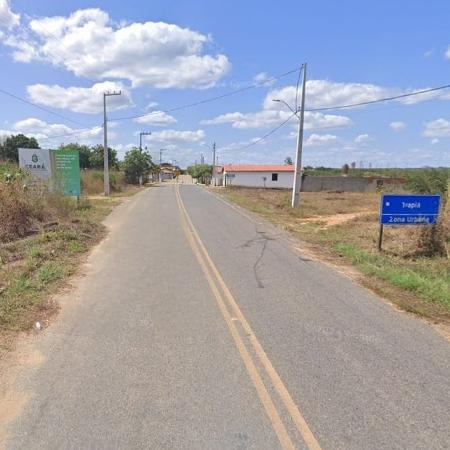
(92, 181)
(34, 267)
(415, 283)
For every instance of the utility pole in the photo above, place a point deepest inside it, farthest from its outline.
(160, 162)
(143, 133)
(298, 157)
(214, 164)
(105, 143)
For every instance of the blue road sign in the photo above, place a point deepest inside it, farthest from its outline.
(409, 209)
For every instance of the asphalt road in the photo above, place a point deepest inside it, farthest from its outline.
(196, 327)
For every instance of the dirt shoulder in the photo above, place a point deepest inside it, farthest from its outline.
(341, 229)
(36, 267)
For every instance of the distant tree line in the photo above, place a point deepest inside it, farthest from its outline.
(9, 149)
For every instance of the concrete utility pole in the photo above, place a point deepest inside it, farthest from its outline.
(297, 185)
(298, 157)
(214, 164)
(143, 133)
(160, 162)
(105, 143)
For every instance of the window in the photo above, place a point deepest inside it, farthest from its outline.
(274, 177)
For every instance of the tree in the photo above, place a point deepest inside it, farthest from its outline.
(84, 152)
(96, 158)
(136, 164)
(288, 161)
(431, 181)
(10, 148)
(201, 172)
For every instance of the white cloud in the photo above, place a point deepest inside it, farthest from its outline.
(122, 149)
(261, 119)
(267, 118)
(447, 53)
(264, 79)
(324, 93)
(89, 44)
(320, 139)
(363, 139)
(156, 118)
(434, 141)
(80, 99)
(397, 126)
(55, 133)
(8, 19)
(151, 106)
(437, 128)
(177, 136)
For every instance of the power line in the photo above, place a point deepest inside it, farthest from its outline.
(210, 99)
(39, 107)
(386, 99)
(265, 136)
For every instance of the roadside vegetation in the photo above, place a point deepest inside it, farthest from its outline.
(413, 270)
(43, 235)
(200, 172)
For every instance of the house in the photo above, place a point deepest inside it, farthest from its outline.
(259, 175)
(217, 178)
(167, 171)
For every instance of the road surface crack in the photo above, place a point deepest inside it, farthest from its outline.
(261, 236)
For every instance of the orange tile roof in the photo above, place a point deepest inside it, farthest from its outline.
(258, 168)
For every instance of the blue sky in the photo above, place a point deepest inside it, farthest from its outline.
(163, 54)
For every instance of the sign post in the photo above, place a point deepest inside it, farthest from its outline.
(397, 209)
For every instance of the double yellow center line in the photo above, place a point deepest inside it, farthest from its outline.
(227, 303)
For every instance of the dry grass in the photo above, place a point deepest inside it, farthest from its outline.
(92, 181)
(346, 225)
(42, 237)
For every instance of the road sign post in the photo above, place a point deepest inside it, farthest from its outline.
(398, 209)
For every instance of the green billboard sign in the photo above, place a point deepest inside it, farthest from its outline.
(66, 165)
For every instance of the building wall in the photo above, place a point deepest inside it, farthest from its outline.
(313, 183)
(255, 179)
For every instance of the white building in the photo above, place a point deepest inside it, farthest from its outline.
(258, 175)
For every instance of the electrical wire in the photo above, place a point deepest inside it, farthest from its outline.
(208, 100)
(79, 130)
(386, 99)
(40, 107)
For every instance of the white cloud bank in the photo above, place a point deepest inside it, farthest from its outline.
(156, 118)
(325, 94)
(320, 139)
(8, 19)
(363, 139)
(269, 117)
(89, 44)
(177, 136)
(80, 99)
(437, 128)
(55, 133)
